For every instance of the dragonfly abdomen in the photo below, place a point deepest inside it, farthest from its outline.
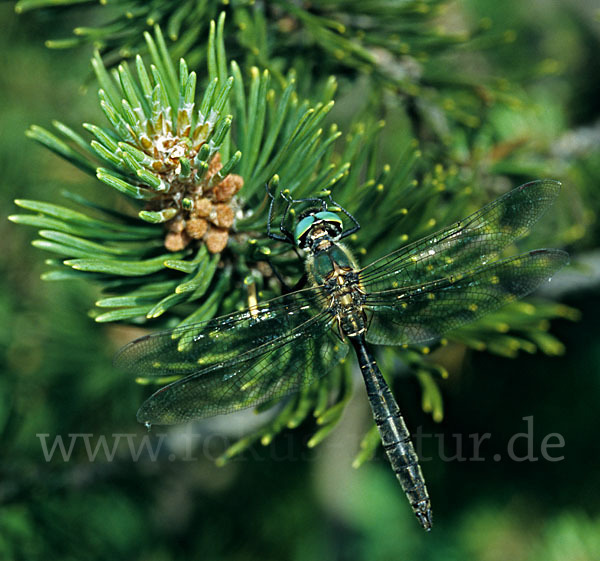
(405, 463)
(394, 434)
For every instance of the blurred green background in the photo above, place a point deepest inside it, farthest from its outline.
(286, 501)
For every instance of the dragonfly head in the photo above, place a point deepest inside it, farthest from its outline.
(317, 224)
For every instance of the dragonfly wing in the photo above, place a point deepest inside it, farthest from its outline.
(420, 313)
(198, 347)
(465, 245)
(275, 369)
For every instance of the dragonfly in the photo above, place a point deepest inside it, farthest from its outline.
(413, 295)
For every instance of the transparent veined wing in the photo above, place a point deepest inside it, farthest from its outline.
(274, 369)
(196, 347)
(465, 245)
(423, 312)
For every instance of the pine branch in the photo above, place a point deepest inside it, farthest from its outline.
(195, 243)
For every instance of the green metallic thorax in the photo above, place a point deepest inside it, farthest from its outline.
(332, 266)
(322, 264)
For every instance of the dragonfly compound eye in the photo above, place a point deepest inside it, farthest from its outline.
(302, 228)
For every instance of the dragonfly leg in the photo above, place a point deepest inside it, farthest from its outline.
(287, 235)
(356, 223)
(285, 287)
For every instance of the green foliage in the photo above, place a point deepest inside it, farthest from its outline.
(426, 135)
(401, 46)
(161, 149)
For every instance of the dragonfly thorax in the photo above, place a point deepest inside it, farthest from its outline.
(347, 300)
(333, 267)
